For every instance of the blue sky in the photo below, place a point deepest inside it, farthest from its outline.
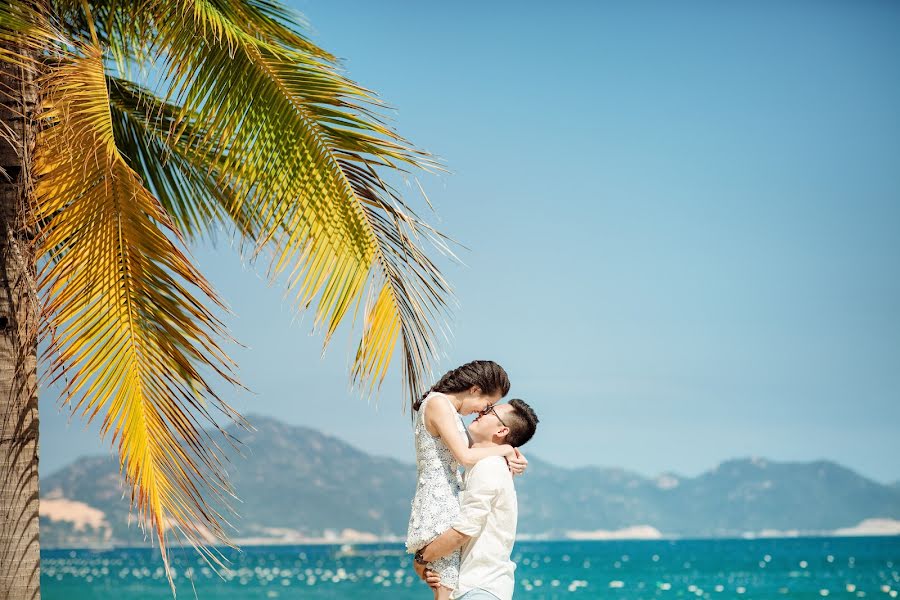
(682, 219)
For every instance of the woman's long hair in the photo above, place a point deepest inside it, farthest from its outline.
(486, 374)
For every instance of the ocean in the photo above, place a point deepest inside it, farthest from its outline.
(844, 568)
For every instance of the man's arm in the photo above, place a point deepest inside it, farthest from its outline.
(475, 505)
(444, 544)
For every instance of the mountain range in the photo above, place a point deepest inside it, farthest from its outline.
(297, 484)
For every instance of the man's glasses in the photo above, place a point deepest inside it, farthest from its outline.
(490, 409)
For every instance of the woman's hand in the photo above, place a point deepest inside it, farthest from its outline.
(432, 579)
(427, 575)
(516, 462)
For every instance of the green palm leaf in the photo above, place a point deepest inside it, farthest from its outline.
(186, 184)
(300, 145)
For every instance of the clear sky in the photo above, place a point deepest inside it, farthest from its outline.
(683, 222)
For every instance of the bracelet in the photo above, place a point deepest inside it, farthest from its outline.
(418, 556)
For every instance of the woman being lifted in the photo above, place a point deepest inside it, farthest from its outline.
(442, 445)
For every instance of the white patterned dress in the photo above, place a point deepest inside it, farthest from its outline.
(436, 503)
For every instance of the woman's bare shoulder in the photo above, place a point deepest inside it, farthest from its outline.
(441, 407)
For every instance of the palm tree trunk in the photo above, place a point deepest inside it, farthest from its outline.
(19, 541)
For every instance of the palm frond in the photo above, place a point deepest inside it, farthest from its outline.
(268, 21)
(25, 27)
(128, 325)
(407, 283)
(121, 27)
(300, 146)
(186, 184)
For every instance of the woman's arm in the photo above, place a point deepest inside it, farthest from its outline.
(441, 419)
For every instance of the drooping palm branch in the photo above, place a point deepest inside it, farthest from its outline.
(169, 120)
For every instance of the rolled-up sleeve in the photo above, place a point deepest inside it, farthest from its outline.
(476, 500)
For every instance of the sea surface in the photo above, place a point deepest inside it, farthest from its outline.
(843, 568)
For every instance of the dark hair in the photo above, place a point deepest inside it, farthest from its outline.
(486, 374)
(521, 421)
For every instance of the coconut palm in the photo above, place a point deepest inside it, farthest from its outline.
(129, 129)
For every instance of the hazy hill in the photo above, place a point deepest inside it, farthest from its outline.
(290, 478)
(296, 482)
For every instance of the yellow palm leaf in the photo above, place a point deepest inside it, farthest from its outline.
(126, 310)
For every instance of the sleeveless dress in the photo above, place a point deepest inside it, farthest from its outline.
(436, 503)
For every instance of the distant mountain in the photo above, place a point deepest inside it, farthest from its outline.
(297, 483)
(292, 481)
(738, 496)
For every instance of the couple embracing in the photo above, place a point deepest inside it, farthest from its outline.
(462, 530)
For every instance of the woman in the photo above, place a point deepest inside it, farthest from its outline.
(442, 445)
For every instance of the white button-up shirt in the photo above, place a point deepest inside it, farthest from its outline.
(488, 514)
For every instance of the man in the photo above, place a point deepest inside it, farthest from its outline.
(486, 527)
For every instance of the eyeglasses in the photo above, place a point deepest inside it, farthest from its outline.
(490, 409)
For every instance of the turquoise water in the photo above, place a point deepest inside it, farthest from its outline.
(844, 568)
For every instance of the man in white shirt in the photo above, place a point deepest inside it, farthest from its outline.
(486, 527)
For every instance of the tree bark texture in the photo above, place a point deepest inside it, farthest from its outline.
(19, 539)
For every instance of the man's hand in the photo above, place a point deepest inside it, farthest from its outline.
(427, 575)
(516, 462)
